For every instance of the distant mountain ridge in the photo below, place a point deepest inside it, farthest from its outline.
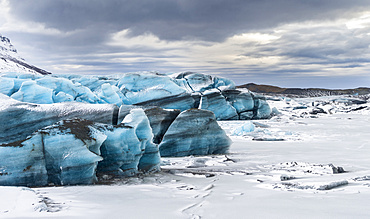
(310, 92)
(10, 61)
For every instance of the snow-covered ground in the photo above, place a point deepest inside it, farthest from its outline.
(300, 164)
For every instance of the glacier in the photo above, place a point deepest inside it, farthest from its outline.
(22, 163)
(73, 151)
(20, 119)
(212, 100)
(243, 129)
(194, 132)
(181, 91)
(79, 129)
(150, 159)
(72, 129)
(73, 143)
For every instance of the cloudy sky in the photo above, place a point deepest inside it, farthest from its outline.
(291, 43)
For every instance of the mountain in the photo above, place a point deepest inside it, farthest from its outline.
(304, 92)
(10, 61)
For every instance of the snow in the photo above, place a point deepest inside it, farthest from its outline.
(6, 48)
(320, 170)
(20, 201)
(10, 61)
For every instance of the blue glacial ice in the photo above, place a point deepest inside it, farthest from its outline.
(22, 119)
(120, 158)
(66, 130)
(160, 120)
(181, 102)
(138, 88)
(240, 99)
(71, 149)
(212, 100)
(194, 132)
(71, 152)
(181, 91)
(6, 85)
(92, 82)
(150, 159)
(197, 82)
(262, 108)
(243, 129)
(22, 163)
(128, 148)
(31, 92)
(61, 154)
(110, 94)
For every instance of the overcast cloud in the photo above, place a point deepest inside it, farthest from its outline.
(282, 42)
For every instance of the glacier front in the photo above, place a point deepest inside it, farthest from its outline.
(73, 151)
(72, 143)
(72, 129)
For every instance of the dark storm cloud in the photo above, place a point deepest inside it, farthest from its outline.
(83, 36)
(211, 20)
(330, 46)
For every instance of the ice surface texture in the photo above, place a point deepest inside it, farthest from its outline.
(62, 130)
(194, 132)
(243, 129)
(191, 132)
(181, 91)
(73, 150)
(22, 163)
(160, 120)
(68, 152)
(20, 119)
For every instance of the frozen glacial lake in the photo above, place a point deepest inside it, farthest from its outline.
(317, 167)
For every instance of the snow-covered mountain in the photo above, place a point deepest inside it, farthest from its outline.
(10, 61)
